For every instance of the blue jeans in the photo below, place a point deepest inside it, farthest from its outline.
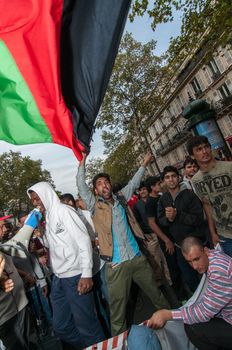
(74, 316)
(40, 304)
(143, 338)
(226, 244)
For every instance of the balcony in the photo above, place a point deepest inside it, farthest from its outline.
(177, 140)
(216, 76)
(223, 106)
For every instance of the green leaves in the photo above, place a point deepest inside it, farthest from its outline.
(134, 88)
(17, 174)
(208, 22)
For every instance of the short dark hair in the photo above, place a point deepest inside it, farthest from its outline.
(96, 177)
(151, 181)
(169, 169)
(189, 160)
(196, 141)
(142, 184)
(189, 242)
(68, 197)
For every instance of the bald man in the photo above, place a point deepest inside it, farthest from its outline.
(208, 322)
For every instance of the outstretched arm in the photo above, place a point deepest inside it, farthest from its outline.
(134, 183)
(83, 189)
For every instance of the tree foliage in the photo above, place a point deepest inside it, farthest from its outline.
(121, 163)
(213, 18)
(134, 90)
(93, 167)
(17, 174)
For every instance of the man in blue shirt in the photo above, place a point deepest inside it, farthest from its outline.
(116, 229)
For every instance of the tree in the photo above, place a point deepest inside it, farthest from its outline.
(208, 22)
(17, 174)
(121, 164)
(133, 92)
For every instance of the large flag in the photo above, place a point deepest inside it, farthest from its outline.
(56, 57)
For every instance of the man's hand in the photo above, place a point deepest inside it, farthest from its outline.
(169, 246)
(147, 159)
(85, 285)
(29, 280)
(215, 239)
(2, 264)
(159, 319)
(6, 284)
(170, 213)
(84, 156)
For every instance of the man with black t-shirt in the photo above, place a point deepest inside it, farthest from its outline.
(181, 212)
(139, 210)
(153, 184)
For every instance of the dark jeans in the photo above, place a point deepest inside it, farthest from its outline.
(215, 334)
(175, 272)
(74, 316)
(190, 276)
(226, 244)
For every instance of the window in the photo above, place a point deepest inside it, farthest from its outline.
(228, 57)
(224, 91)
(196, 87)
(214, 67)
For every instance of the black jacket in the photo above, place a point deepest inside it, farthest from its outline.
(189, 220)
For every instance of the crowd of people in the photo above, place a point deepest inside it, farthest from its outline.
(88, 258)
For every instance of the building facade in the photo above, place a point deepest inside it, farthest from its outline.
(212, 81)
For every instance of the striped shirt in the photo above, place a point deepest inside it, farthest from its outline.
(216, 301)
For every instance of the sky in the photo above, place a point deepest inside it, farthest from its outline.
(60, 161)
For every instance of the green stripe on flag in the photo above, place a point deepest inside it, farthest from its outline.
(20, 120)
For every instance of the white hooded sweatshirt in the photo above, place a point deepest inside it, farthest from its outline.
(69, 243)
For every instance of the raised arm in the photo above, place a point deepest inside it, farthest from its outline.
(83, 189)
(134, 183)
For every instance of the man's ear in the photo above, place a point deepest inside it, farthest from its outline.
(95, 191)
(206, 251)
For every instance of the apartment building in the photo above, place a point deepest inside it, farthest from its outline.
(212, 81)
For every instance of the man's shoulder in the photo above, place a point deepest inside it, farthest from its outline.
(220, 263)
(140, 203)
(198, 176)
(187, 193)
(152, 200)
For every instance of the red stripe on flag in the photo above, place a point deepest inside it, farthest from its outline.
(104, 345)
(115, 342)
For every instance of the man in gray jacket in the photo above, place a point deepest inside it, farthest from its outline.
(13, 303)
(74, 315)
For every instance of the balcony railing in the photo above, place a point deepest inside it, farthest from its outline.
(177, 140)
(224, 103)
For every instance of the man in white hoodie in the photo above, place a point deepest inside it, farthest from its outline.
(74, 315)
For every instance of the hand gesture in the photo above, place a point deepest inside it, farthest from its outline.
(159, 319)
(170, 213)
(6, 284)
(169, 246)
(85, 285)
(147, 159)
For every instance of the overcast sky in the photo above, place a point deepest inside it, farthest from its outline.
(59, 160)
